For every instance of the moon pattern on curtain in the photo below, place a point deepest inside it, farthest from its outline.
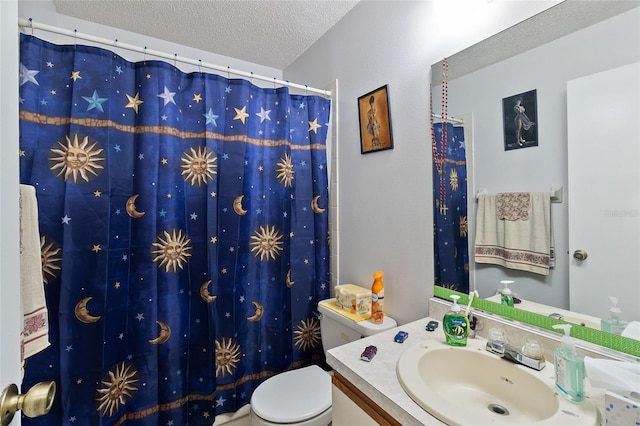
(451, 226)
(184, 234)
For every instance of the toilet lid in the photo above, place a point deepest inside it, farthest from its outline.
(293, 396)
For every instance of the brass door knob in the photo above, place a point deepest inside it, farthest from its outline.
(36, 402)
(580, 255)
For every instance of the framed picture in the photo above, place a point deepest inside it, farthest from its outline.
(520, 120)
(375, 121)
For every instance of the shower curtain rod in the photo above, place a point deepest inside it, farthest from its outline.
(451, 119)
(30, 23)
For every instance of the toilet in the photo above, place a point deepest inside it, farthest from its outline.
(302, 397)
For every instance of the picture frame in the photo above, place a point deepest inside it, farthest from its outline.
(520, 120)
(375, 121)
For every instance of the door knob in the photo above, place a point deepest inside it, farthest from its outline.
(580, 255)
(36, 402)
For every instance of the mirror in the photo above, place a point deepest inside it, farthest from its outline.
(546, 54)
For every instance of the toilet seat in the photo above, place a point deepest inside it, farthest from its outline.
(293, 396)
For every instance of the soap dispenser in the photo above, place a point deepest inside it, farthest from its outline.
(569, 367)
(455, 324)
(614, 324)
(506, 298)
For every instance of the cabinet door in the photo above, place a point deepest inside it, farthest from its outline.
(345, 412)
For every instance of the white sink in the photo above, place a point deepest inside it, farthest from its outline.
(470, 386)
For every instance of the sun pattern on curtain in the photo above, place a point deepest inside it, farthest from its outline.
(451, 244)
(184, 234)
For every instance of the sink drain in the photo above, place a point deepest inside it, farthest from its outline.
(498, 409)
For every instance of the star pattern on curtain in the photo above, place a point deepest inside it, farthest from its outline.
(184, 234)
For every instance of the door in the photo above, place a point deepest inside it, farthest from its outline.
(9, 243)
(603, 122)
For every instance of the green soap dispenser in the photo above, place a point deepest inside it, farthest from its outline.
(614, 324)
(455, 324)
(569, 367)
(506, 298)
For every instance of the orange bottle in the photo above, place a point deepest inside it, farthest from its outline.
(377, 298)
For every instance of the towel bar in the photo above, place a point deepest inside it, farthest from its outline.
(555, 192)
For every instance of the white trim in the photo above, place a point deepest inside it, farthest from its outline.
(334, 191)
(448, 119)
(10, 315)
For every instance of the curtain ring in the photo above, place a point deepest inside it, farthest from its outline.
(75, 37)
(175, 60)
(306, 90)
(274, 83)
(115, 43)
(31, 25)
(251, 77)
(228, 72)
(144, 57)
(200, 66)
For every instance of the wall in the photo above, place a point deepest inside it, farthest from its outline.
(385, 198)
(546, 69)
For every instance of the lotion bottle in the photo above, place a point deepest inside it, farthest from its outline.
(614, 324)
(506, 298)
(569, 367)
(455, 324)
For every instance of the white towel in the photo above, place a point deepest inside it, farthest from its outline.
(516, 242)
(613, 375)
(35, 320)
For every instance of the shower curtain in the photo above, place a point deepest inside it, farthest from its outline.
(451, 240)
(184, 234)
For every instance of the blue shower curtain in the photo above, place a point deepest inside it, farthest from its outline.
(184, 234)
(451, 240)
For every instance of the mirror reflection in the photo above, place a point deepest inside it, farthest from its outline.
(578, 82)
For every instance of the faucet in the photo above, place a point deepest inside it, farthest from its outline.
(510, 353)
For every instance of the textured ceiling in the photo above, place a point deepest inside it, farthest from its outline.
(271, 33)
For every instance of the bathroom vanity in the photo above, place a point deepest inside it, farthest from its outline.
(370, 392)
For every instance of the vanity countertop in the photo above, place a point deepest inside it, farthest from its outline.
(377, 378)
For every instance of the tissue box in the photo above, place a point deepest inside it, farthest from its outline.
(353, 298)
(621, 408)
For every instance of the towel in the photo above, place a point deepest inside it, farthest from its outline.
(513, 205)
(519, 235)
(35, 321)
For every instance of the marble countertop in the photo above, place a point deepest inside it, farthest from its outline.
(377, 379)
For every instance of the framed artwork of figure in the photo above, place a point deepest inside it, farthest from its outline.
(375, 121)
(520, 120)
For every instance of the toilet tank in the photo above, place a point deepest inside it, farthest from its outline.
(337, 329)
